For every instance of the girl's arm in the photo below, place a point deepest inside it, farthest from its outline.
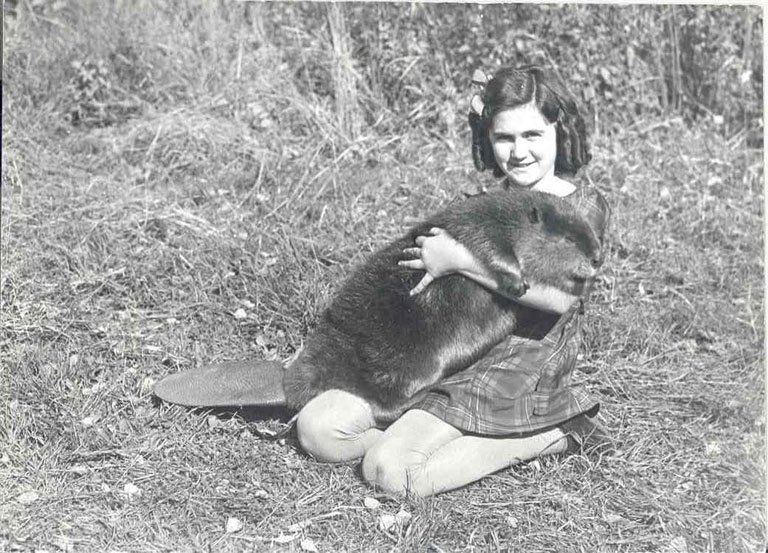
(440, 255)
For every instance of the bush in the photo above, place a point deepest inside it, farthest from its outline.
(405, 66)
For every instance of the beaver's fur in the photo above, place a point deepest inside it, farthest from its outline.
(380, 343)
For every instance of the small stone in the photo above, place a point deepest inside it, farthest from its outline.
(90, 420)
(131, 490)
(389, 522)
(512, 521)
(233, 525)
(371, 503)
(240, 314)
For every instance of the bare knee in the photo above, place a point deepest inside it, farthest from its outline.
(330, 425)
(316, 435)
(385, 467)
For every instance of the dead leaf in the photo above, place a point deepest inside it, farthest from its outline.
(308, 545)
(387, 522)
(299, 526)
(403, 517)
(677, 545)
(27, 497)
(712, 448)
(146, 385)
(64, 543)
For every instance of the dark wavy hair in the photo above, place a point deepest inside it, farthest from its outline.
(511, 87)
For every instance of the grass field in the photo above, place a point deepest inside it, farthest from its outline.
(213, 218)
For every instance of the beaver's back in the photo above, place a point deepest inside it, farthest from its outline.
(377, 341)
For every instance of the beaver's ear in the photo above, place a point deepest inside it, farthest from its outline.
(534, 216)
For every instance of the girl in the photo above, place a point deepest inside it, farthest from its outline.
(514, 404)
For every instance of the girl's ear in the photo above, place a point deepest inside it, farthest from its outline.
(534, 216)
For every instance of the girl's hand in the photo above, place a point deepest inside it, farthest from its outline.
(439, 255)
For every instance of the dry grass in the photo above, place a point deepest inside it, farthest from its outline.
(126, 251)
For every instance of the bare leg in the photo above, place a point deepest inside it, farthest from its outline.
(337, 426)
(424, 455)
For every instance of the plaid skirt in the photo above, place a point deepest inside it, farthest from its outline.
(522, 386)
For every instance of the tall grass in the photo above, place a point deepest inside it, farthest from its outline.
(187, 182)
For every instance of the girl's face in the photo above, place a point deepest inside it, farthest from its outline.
(524, 144)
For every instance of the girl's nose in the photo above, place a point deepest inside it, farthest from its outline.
(517, 153)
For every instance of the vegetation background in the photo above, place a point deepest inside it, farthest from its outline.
(186, 182)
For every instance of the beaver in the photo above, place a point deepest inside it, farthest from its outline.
(377, 341)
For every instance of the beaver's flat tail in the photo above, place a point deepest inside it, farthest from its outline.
(257, 383)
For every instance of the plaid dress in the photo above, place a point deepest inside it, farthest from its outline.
(522, 385)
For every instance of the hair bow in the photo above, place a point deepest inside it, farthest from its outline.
(476, 107)
(476, 103)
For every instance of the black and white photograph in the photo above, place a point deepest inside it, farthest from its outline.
(317, 276)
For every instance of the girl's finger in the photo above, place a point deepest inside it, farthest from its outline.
(434, 231)
(413, 264)
(412, 252)
(420, 240)
(422, 285)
